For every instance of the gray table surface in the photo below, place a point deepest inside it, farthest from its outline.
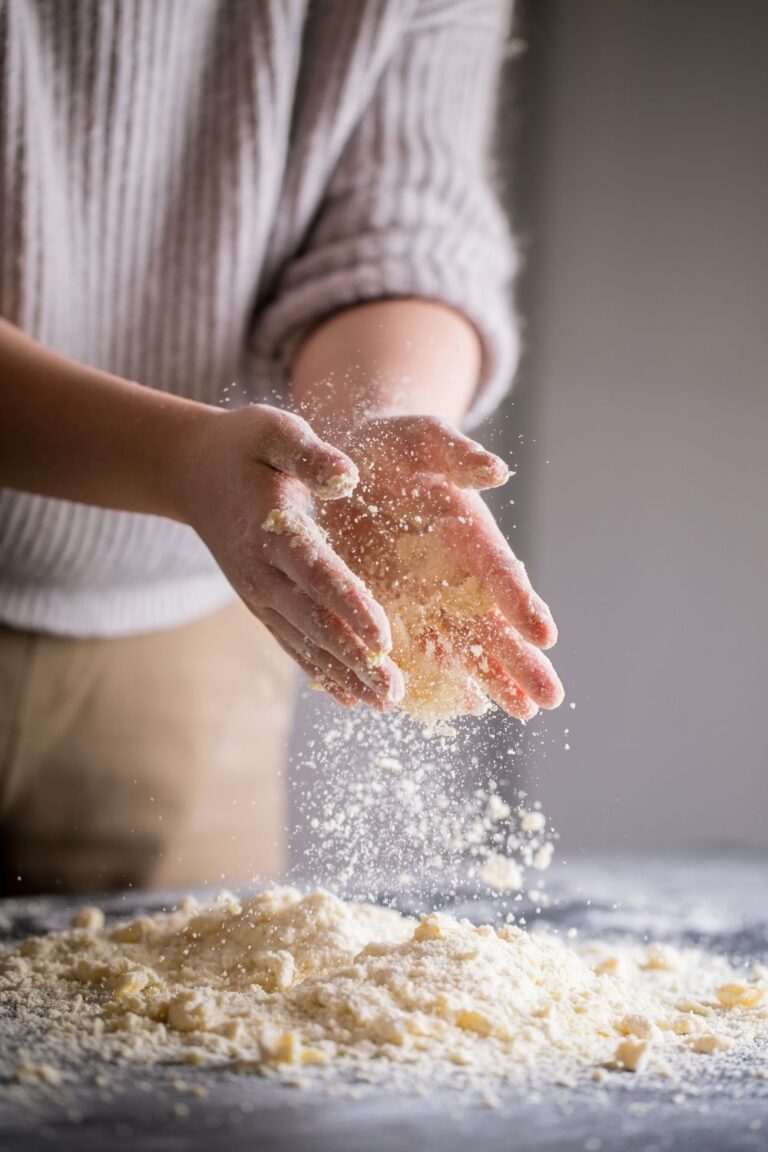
(717, 900)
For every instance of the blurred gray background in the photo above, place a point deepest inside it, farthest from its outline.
(635, 138)
(634, 147)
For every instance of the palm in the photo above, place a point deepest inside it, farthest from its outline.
(467, 626)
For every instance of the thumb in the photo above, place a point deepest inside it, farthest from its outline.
(290, 445)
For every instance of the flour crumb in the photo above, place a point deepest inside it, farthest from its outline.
(533, 821)
(631, 1055)
(88, 918)
(29, 1073)
(543, 856)
(501, 873)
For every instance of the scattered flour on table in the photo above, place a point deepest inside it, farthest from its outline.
(305, 984)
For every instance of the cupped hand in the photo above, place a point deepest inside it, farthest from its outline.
(420, 535)
(246, 484)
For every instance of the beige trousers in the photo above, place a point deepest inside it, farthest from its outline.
(154, 760)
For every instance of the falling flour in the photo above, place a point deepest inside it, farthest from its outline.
(379, 807)
(305, 985)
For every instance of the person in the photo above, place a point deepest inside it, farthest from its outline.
(292, 196)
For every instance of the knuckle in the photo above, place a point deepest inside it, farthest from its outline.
(300, 430)
(278, 417)
(286, 433)
(259, 412)
(294, 420)
(276, 445)
(437, 425)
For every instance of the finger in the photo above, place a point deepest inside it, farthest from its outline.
(483, 666)
(327, 685)
(315, 674)
(477, 544)
(277, 595)
(301, 551)
(434, 445)
(326, 631)
(491, 637)
(484, 679)
(290, 445)
(324, 664)
(504, 692)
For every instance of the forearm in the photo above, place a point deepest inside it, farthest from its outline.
(74, 433)
(389, 357)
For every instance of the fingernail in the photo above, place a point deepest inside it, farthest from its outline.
(549, 629)
(553, 694)
(543, 622)
(490, 472)
(500, 469)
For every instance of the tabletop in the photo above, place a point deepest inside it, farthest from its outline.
(716, 900)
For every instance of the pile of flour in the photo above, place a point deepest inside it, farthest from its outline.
(294, 984)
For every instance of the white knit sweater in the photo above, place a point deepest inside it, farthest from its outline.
(186, 186)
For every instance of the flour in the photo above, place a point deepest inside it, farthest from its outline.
(501, 873)
(286, 983)
(533, 821)
(433, 603)
(378, 807)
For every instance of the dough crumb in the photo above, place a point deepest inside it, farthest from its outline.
(740, 995)
(29, 1073)
(632, 1055)
(88, 918)
(709, 1042)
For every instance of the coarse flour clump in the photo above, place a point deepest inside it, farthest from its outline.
(285, 982)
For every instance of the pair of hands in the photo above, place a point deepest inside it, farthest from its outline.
(263, 466)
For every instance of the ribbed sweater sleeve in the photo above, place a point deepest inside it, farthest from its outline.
(410, 208)
(186, 188)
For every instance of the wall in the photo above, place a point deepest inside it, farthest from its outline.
(641, 189)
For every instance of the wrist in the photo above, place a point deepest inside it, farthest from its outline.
(390, 357)
(180, 436)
